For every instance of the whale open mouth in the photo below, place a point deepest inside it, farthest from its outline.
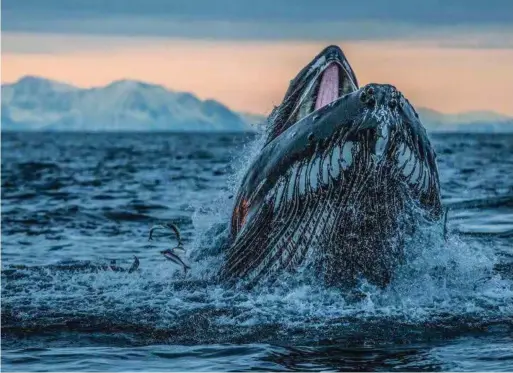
(328, 90)
(324, 80)
(330, 83)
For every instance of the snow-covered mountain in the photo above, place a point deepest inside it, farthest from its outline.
(469, 122)
(34, 103)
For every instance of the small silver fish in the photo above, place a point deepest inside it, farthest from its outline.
(167, 226)
(174, 253)
(173, 256)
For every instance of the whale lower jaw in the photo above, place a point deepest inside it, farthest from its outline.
(343, 232)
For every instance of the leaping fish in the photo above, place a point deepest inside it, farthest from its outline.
(174, 254)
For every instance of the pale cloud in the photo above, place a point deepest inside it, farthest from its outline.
(459, 37)
(137, 27)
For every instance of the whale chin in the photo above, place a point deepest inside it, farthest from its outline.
(339, 189)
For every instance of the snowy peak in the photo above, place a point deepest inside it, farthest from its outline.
(41, 104)
(33, 86)
(470, 122)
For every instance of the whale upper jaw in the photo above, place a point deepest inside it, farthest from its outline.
(325, 79)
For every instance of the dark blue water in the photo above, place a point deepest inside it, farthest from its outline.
(73, 202)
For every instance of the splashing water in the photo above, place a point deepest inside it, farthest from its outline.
(445, 289)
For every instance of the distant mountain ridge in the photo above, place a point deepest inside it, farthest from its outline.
(469, 122)
(39, 104)
(34, 103)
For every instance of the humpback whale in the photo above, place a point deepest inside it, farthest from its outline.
(345, 174)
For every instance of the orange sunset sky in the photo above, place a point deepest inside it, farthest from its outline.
(247, 63)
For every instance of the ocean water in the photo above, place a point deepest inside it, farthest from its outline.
(71, 203)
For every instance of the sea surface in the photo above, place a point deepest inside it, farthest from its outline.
(72, 203)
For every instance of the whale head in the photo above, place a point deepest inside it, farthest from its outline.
(344, 174)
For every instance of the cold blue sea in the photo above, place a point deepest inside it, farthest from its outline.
(71, 203)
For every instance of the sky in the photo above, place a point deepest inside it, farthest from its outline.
(451, 55)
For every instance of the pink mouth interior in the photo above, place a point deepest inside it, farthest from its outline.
(328, 89)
